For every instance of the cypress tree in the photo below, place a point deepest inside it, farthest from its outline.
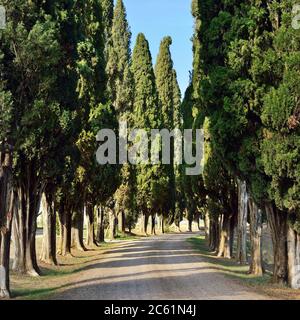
(119, 81)
(107, 7)
(36, 113)
(165, 82)
(176, 102)
(252, 119)
(145, 116)
(281, 141)
(145, 94)
(118, 62)
(165, 79)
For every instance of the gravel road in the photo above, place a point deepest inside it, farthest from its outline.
(165, 267)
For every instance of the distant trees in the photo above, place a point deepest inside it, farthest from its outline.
(145, 115)
(168, 96)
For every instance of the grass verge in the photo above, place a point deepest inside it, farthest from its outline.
(57, 278)
(238, 272)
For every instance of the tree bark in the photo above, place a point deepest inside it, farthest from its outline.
(112, 225)
(29, 194)
(66, 229)
(18, 237)
(121, 222)
(232, 230)
(293, 259)
(225, 240)
(101, 227)
(162, 224)
(146, 221)
(206, 226)
(48, 253)
(241, 255)
(153, 225)
(91, 240)
(214, 235)
(256, 265)
(142, 223)
(190, 220)
(278, 225)
(77, 231)
(6, 214)
(197, 220)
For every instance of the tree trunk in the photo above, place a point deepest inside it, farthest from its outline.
(232, 229)
(48, 253)
(190, 220)
(256, 266)
(121, 222)
(18, 237)
(91, 241)
(278, 225)
(241, 255)
(225, 240)
(162, 224)
(112, 225)
(66, 229)
(6, 214)
(29, 195)
(197, 220)
(101, 227)
(293, 259)
(146, 221)
(214, 235)
(142, 223)
(77, 231)
(206, 226)
(153, 226)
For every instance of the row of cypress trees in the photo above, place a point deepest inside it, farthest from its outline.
(245, 90)
(67, 71)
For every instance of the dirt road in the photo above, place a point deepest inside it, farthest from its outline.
(165, 267)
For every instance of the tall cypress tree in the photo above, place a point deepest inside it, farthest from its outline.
(145, 94)
(36, 113)
(247, 85)
(166, 92)
(281, 141)
(165, 82)
(107, 7)
(145, 116)
(118, 63)
(119, 85)
(91, 69)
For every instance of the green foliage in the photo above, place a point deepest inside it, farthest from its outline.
(145, 115)
(169, 100)
(246, 80)
(119, 84)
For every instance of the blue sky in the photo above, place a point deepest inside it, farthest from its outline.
(159, 18)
